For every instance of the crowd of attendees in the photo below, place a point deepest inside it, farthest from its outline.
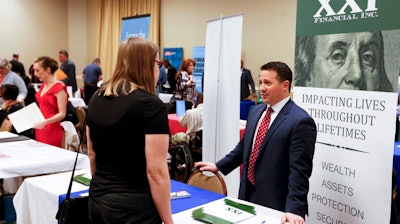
(126, 110)
(46, 85)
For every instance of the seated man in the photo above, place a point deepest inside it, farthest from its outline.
(193, 118)
(193, 121)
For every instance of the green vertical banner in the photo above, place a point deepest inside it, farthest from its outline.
(347, 58)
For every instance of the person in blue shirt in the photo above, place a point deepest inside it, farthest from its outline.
(92, 74)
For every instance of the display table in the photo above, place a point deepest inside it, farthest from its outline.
(199, 197)
(77, 102)
(175, 125)
(24, 158)
(38, 198)
(263, 214)
(165, 97)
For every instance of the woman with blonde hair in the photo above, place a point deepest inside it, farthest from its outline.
(125, 117)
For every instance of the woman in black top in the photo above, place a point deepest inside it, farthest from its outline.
(125, 117)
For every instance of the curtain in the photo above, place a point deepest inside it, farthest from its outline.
(109, 17)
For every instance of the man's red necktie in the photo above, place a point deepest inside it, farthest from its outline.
(262, 130)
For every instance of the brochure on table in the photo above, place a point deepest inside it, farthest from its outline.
(224, 212)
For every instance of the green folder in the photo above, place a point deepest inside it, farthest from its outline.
(81, 179)
(199, 215)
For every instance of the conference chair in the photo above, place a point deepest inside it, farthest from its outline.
(81, 114)
(80, 126)
(70, 137)
(208, 181)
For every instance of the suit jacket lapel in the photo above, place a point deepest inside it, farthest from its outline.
(276, 123)
(253, 120)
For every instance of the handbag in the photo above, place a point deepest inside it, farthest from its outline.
(74, 210)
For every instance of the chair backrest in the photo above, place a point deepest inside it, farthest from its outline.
(70, 137)
(214, 183)
(80, 112)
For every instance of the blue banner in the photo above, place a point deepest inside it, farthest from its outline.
(136, 26)
(198, 72)
(174, 56)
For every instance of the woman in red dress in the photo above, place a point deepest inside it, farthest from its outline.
(52, 99)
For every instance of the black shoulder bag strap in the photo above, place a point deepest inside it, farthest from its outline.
(62, 213)
(67, 197)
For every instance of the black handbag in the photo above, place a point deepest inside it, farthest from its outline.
(74, 210)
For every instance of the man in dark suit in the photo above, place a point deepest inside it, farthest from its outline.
(284, 161)
(246, 81)
(68, 67)
(170, 86)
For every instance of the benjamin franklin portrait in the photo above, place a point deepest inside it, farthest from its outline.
(354, 61)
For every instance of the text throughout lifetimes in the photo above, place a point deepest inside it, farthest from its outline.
(338, 121)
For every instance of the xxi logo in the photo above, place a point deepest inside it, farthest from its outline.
(355, 8)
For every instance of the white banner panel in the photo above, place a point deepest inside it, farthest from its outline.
(354, 145)
(222, 92)
(347, 58)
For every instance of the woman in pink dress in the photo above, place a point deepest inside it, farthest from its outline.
(52, 99)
